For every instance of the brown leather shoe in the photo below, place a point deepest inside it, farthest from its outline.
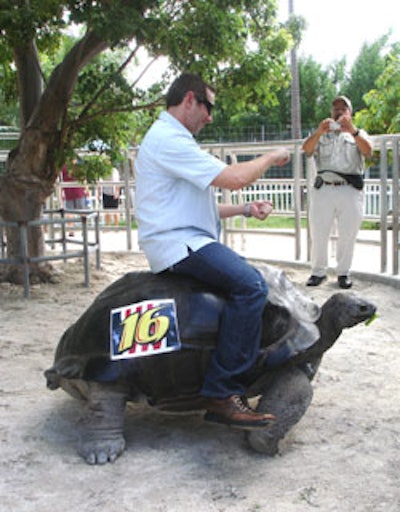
(235, 411)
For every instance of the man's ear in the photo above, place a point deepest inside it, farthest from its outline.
(189, 99)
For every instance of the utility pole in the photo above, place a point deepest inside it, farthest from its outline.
(295, 88)
(296, 134)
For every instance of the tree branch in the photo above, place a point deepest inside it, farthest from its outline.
(59, 90)
(83, 120)
(144, 71)
(105, 85)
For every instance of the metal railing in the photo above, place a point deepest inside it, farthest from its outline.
(55, 217)
(290, 195)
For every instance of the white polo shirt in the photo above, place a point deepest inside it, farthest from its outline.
(176, 206)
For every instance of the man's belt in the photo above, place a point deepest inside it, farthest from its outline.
(335, 183)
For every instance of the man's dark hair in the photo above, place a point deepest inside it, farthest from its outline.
(182, 85)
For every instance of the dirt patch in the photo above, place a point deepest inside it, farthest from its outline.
(344, 455)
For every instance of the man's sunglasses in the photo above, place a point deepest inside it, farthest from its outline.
(209, 106)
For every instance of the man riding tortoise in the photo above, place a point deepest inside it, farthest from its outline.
(235, 343)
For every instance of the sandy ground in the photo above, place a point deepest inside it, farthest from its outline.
(344, 455)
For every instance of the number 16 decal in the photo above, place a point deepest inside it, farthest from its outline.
(144, 328)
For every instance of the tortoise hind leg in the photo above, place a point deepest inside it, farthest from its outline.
(102, 437)
(287, 397)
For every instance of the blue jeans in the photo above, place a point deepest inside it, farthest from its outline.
(241, 323)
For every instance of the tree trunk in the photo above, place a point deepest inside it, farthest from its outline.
(22, 199)
(32, 167)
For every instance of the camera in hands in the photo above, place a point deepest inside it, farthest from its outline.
(334, 125)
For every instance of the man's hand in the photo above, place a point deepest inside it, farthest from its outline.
(346, 123)
(325, 126)
(282, 157)
(261, 209)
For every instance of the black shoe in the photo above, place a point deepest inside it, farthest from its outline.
(315, 280)
(344, 282)
(235, 412)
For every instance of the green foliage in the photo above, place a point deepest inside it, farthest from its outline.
(90, 168)
(236, 44)
(317, 90)
(296, 26)
(8, 96)
(369, 64)
(101, 110)
(115, 21)
(318, 85)
(23, 21)
(382, 114)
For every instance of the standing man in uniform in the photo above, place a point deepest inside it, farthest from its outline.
(178, 227)
(340, 149)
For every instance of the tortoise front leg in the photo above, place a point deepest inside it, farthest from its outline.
(102, 437)
(288, 396)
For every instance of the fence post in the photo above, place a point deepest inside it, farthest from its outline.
(297, 202)
(384, 208)
(395, 206)
(63, 235)
(85, 250)
(23, 232)
(97, 238)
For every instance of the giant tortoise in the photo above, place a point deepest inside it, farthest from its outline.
(90, 361)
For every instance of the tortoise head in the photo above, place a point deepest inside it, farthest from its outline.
(347, 310)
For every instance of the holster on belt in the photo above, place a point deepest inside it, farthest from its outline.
(318, 182)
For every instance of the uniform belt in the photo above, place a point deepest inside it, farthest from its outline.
(335, 183)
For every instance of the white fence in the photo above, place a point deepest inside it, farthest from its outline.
(281, 194)
(289, 195)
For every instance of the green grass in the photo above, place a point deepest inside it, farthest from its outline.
(372, 225)
(278, 222)
(272, 222)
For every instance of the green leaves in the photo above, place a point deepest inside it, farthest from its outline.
(382, 114)
(235, 44)
(92, 167)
